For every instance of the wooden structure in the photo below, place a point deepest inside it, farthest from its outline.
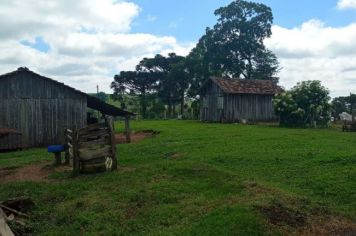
(41, 108)
(10, 139)
(234, 100)
(92, 148)
(349, 126)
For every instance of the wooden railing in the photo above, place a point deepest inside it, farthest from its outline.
(92, 148)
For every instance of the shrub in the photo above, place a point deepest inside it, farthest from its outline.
(306, 104)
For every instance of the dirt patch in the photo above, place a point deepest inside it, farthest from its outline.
(136, 136)
(31, 173)
(332, 226)
(297, 216)
(303, 222)
(278, 214)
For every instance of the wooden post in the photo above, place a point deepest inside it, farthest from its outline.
(352, 108)
(58, 158)
(112, 142)
(76, 160)
(4, 227)
(66, 152)
(127, 129)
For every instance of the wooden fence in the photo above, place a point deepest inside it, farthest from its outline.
(92, 148)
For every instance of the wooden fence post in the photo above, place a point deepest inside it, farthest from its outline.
(76, 160)
(110, 123)
(127, 129)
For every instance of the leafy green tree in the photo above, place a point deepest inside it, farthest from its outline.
(234, 47)
(140, 82)
(158, 76)
(338, 106)
(170, 75)
(343, 104)
(305, 104)
(178, 79)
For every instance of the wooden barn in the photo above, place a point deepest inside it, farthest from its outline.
(235, 100)
(35, 110)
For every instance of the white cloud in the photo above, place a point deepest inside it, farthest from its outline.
(151, 18)
(315, 51)
(89, 40)
(346, 4)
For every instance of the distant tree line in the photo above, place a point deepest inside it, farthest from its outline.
(343, 104)
(234, 48)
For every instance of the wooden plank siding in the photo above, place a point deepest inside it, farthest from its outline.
(209, 103)
(39, 109)
(249, 107)
(236, 107)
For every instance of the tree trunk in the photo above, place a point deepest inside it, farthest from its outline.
(182, 105)
(169, 109)
(249, 70)
(143, 105)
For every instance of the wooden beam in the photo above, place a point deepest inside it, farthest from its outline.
(4, 228)
(110, 123)
(76, 161)
(127, 129)
(58, 159)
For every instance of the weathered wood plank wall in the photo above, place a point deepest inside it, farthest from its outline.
(39, 108)
(235, 106)
(249, 107)
(209, 103)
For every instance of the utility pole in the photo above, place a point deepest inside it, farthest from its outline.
(352, 106)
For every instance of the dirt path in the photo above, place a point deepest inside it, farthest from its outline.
(31, 173)
(136, 136)
(40, 172)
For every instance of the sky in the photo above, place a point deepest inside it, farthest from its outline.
(84, 43)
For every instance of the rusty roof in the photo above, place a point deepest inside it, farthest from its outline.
(244, 86)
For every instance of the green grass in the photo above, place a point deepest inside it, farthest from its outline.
(199, 179)
(18, 159)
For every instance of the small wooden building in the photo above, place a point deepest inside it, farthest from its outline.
(40, 109)
(235, 100)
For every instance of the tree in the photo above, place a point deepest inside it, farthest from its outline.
(305, 104)
(234, 47)
(171, 78)
(140, 82)
(158, 76)
(102, 96)
(338, 106)
(343, 104)
(179, 82)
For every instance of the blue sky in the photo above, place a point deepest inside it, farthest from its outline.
(84, 43)
(187, 20)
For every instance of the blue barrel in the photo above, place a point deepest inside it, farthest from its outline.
(56, 148)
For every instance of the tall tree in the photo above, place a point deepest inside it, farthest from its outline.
(169, 76)
(153, 75)
(140, 82)
(234, 47)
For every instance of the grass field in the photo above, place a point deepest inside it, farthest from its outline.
(203, 179)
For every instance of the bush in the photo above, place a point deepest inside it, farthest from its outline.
(306, 104)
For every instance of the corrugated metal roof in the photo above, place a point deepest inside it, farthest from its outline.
(92, 102)
(244, 86)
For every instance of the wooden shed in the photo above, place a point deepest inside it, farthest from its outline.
(40, 109)
(235, 100)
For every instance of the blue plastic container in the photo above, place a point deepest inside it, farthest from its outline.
(56, 148)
